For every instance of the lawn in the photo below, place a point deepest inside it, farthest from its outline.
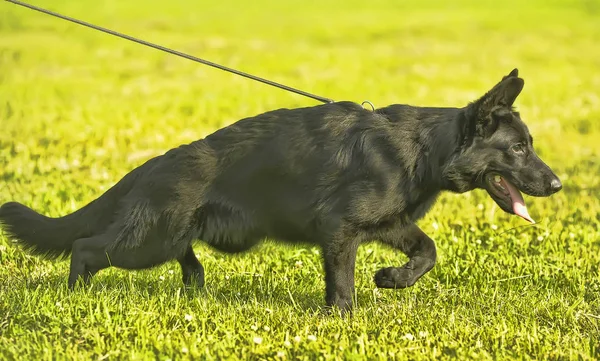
(79, 109)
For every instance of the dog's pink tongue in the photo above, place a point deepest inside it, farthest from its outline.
(518, 203)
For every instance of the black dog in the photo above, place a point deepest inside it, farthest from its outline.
(335, 175)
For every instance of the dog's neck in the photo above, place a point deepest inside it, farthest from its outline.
(453, 135)
(464, 123)
(441, 134)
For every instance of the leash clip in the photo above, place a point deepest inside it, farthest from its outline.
(368, 102)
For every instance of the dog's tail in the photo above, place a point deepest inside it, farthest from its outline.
(54, 237)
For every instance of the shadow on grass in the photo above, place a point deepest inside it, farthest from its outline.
(125, 284)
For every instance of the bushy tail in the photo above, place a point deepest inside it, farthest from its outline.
(54, 237)
(50, 237)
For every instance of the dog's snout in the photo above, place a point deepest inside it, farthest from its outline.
(555, 185)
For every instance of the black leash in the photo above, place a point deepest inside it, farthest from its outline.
(174, 52)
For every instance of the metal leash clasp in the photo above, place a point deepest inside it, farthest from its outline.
(368, 102)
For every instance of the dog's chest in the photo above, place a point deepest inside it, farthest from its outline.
(396, 212)
(417, 209)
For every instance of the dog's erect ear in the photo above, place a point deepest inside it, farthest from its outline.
(510, 91)
(514, 72)
(503, 94)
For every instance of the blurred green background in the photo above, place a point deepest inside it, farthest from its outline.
(79, 109)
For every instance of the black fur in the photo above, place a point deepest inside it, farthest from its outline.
(334, 175)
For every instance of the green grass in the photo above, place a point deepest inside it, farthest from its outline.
(79, 109)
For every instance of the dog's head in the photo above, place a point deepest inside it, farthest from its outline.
(498, 154)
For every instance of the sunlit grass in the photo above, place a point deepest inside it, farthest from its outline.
(79, 109)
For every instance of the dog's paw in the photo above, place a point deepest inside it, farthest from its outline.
(333, 311)
(194, 280)
(394, 277)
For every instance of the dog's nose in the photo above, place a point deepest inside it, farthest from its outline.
(555, 185)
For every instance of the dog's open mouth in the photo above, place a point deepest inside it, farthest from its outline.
(507, 195)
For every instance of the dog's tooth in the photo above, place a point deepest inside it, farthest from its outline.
(497, 179)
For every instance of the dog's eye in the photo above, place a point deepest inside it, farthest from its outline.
(518, 148)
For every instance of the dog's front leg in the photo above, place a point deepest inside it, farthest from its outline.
(418, 247)
(339, 257)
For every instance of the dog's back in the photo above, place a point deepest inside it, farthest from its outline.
(285, 174)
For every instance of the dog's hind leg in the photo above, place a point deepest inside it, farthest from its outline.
(418, 247)
(88, 257)
(191, 269)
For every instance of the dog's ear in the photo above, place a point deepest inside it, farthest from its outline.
(512, 87)
(514, 72)
(502, 95)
